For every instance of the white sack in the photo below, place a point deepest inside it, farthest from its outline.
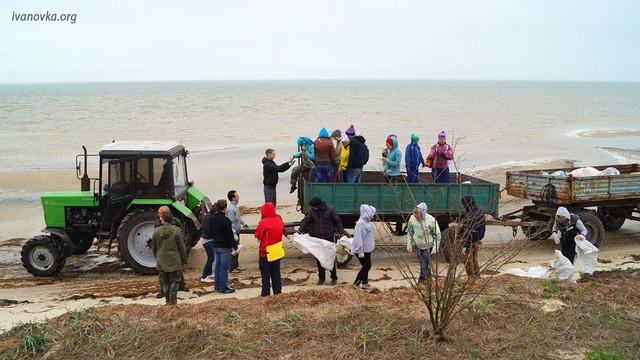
(563, 268)
(323, 250)
(609, 171)
(586, 255)
(347, 245)
(536, 272)
(585, 171)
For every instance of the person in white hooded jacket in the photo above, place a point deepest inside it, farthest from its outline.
(569, 226)
(423, 233)
(363, 245)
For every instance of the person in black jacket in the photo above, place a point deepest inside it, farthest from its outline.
(324, 221)
(358, 156)
(219, 228)
(270, 172)
(472, 231)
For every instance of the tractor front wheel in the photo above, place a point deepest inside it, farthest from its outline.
(134, 241)
(43, 256)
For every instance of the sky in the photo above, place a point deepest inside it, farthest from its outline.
(144, 40)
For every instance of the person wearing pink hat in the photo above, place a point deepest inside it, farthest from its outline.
(441, 153)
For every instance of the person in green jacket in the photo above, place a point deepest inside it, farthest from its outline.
(170, 252)
(423, 233)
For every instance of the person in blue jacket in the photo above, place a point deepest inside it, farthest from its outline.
(393, 160)
(413, 159)
(307, 158)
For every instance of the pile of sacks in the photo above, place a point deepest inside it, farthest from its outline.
(586, 171)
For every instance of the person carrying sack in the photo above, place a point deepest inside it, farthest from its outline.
(269, 233)
(569, 226)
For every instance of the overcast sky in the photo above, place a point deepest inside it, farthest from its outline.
(319, 39)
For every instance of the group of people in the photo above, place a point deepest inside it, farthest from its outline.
(339, 157)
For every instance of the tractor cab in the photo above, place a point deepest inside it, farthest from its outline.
(140, 170)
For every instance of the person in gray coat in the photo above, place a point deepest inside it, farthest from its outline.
(363, 245)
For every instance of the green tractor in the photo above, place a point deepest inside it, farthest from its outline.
(121, 204)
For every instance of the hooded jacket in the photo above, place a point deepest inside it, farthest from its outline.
(413, 156)
(270, 228)
(325, 221)
(358, 152)
(441, 154)
(168, 248)
(363, 236)
(303, 140)
(394, 159)
(473, 223)
(324, 149)
(423, 234)
(270, 171)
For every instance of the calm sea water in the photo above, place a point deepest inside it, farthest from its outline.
(45, 125)
(228, 125)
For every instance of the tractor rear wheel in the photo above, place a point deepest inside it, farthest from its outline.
(43, 256)
(134, 240)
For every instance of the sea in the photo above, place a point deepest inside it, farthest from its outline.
(227, 125)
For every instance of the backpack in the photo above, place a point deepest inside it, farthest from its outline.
(362, 154)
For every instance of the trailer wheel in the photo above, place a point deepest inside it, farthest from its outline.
(43, 256)
(134, 239)
(594, 226)
(537, 232)
(611, 219)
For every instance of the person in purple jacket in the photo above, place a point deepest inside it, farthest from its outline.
(441, 153)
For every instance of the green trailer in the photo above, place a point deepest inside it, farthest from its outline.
(395, 202)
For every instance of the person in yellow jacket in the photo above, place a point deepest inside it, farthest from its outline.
(344, 159)
(423, 233)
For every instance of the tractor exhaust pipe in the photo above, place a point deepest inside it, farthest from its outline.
(85, 182)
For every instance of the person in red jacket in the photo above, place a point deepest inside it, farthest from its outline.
(269, 231)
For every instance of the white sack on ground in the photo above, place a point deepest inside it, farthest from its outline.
(536, 272)
(586, 255)
(323, 250)
(563, 268)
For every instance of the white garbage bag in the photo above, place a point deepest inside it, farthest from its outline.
(586, 255)
(536, 272)
(323, 250)
(345, 248)
(585, 171)
(563, 268)
(610, 171)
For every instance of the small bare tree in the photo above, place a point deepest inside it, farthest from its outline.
(447, 291)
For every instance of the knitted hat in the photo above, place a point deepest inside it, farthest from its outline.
(336, 133)
(415, 138)
(562, 211)
(351, 131)
(442, 134)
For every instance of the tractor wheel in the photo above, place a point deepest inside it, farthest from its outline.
(450, 246)
(134, 241)
(611, 220)
(594, 227)
(43, 256)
